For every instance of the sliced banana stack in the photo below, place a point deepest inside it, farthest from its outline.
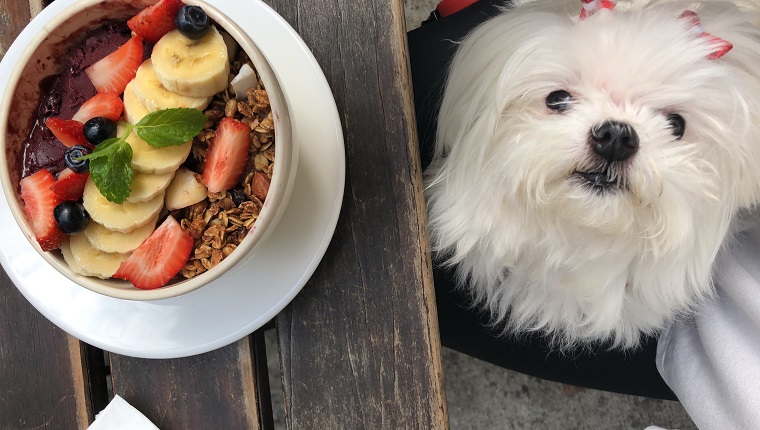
(123, 217)
(154, 96)
(85, 260)
(146, 186)
(134, 111)
(105, 240)
(150, 159)
(195, 68)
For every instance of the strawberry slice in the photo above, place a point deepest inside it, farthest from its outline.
(39, 202)
(153, 22)
(159, 258)
(113, 73)
(70, 184)
(227, 155)
(108, 105)
(68, 131)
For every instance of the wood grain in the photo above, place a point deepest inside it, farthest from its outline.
(216, 390)
(14, 15)
(360, 344)
(43, 377)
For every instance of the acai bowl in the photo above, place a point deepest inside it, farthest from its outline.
(262, 189)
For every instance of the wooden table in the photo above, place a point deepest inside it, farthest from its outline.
(359, 347)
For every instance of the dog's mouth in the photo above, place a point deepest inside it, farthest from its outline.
(602, 180)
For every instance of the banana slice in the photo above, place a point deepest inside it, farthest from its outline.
(154, 96)
(150, 159)
(105, 240)
(146, 186)
(134, 110)
(196, 68)
(232, 45)
(123, 217)
(88, 261)
(184, 190)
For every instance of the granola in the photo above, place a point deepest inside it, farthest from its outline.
(220, 223)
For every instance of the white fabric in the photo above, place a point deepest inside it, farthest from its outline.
(712, 362)
(120, 415)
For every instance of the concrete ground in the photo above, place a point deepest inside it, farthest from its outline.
(482, 396)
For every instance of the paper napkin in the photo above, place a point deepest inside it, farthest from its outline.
(120, 415)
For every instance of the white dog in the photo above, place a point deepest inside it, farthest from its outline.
(589, 168)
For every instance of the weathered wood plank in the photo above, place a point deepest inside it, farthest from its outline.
(14, 15)
(42, 370)
(360, 345)
(216, 390)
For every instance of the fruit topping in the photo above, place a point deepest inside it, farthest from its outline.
(158, 143)
(105, 240)
(192, 22)
(99, 129)
(146, 186)
(85, 260)
(134, 110)
(196, 68)
(121, 217)
(227, 155)
(113, 73)
(71, 217)
(39, 202)
(108, 105)
(159, 258)
(73, 158)
(68, 131)
(152, 94)
(70, 184)
(155, 21)
(184, 190)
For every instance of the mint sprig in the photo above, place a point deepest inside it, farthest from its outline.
(170, 127)
(111, 161)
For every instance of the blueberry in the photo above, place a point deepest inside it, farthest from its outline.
(71, 217)
(71, 155)
(99, 129)
(192, 22)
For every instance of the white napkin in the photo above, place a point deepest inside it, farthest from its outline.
(120, 415)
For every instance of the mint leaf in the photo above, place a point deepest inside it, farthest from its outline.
(170, 127)
(112, 170)
(102, 150)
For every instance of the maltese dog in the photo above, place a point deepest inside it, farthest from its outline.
(591, 160)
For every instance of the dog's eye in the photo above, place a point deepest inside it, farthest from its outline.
(559, 100)
(677, 125)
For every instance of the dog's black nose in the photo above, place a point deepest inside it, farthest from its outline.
(614, 140)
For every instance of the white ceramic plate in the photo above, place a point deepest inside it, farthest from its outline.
(246, 297)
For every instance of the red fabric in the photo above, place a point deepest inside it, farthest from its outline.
(448, 7)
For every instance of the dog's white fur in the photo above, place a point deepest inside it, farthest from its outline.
(541, 249)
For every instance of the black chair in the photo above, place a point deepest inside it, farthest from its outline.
(466, 330)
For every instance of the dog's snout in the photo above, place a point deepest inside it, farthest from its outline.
(614, 140)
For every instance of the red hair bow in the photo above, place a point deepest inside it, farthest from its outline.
(590, 7)
(720, 46)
